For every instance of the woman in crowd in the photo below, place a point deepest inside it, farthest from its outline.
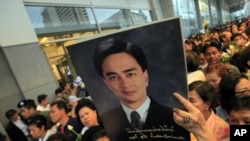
(38, 128)
(192, 120)
(202, 96)
(214, 73)
(231, 85)
(245, 59)
(86, 112)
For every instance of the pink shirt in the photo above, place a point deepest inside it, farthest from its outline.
(218, 126)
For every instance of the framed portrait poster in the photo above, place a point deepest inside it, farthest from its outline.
(162, 42)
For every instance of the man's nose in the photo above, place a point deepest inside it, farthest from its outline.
(125, 82)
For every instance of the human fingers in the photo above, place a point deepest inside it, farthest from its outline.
(183, 119)
(189, 106)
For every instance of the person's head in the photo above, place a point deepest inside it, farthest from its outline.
(66, 86)
(43, 99)
(192, 60)
(238, 39)
(12, 115)
(59, 92)
(58, 111)
(239, 110)
(188, 45)
(247, 31)
(225, 36)
(27, 108)
(232, 85)
(245, 58)
(245, 37)
(215, 35)
(234, 29)
(86, 112)
(123, 67)
(214, 73)
(212, 52)
(203, 61)
(202, 96)
(37, 126)
(95, 133)
(58, 137)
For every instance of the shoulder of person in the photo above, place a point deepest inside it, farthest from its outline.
(232, 68)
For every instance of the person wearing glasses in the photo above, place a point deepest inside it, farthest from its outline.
(231, 85)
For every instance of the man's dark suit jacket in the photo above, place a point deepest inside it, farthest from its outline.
(14, 132)
(159, 125)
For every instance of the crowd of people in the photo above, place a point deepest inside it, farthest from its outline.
(66, 118)
(223, 55)
(218, 72)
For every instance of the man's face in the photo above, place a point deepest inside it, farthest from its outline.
(56, 114)
(67, 86)
(227, 37)
(60, 95)
(240, 117)
(15, 117)
(213, 55)
(46, 101)
(202, 58)
(125, 78)
(35, 131)
(26, 113)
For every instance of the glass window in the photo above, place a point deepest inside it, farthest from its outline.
(204, 11)
(64, 22)
(214, 20)
(141, 16)
(186, 9)
(110, 19)
(225, 11)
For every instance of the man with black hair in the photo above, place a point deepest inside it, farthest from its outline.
(60, 96)
(28, 110)
(16, 128)
(213, 51)
(66, 124)
(43, 103)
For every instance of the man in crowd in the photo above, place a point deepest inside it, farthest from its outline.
(16, 128)
(66, 124)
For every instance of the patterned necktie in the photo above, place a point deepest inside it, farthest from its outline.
(135, 120)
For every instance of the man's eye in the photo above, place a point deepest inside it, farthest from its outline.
(214, 81)
(131, 74)
(113, 77)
